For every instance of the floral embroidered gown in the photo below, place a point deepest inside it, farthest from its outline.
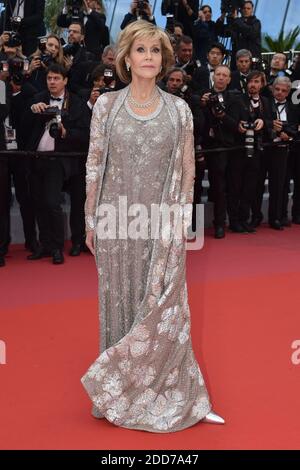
(146, 376)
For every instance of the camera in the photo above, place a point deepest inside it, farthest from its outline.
(16, 68)
(229, 6)
(54, 117)
(14, 39)
(109, 77)
(216, 104)
(71, 49)
(15, 22)
(75, 6)
(170, 25)
(249, 138)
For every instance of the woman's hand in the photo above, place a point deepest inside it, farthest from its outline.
(89, 241)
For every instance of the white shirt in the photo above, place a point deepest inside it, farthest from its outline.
(281, 111)
(19, 8)
(47, 143)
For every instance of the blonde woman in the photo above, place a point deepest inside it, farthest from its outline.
(141, 151)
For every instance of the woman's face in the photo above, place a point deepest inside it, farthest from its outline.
(145, 58)
(52, 46)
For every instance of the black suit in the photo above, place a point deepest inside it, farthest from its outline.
(276, 164)
(50, 174)
(245, 33)
(201, 79)
(238, 82)
(181, 15)
(96, 32)
(30, 27)
(223, 169)
(4, 188)
(252, 168)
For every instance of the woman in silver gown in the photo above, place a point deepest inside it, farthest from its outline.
(142, 154)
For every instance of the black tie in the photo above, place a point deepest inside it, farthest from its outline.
(55, 99)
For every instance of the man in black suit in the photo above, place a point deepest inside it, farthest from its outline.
(257, 112)
(136, 13)
(285, 126)
(96, 36)
(30, 14)
(185, 11)
(245, 31)
(221, 121)
(239, 76)
(50, 173)
(203, 77)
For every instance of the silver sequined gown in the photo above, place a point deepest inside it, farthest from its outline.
(146, 376)
(138, 159)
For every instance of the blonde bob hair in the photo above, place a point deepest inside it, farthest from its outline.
(142, 29)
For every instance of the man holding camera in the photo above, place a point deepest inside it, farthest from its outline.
(222, 110)
(96, 36)
(59, 122)
(139, 10)
(275, 159)
(185, 11)
(25, 18)
(244, 30)
(255, 126)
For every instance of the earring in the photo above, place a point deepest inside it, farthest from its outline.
(128, 67)
(161, 68)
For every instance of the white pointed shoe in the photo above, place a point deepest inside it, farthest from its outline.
(213, 418)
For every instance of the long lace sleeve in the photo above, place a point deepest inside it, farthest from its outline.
(94, 164)
(188, 162)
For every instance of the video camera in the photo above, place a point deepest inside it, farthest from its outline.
(75, 7)
(17, 69)
(216, 104)
(229, 6)
(53, 117)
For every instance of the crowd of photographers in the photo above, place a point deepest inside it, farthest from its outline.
(246, 116)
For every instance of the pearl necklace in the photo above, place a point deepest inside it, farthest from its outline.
(146, 105)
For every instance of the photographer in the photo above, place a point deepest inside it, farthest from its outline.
(50, 51)
(203, 78)
(239, 76)
(59, 122)
(245, 31)
(255, 126)
(91, 14)
(222, 110)
(185, 11)
(24, 17)
(139, 10)
(184, 57)
(75, 54)
(103, 78)
(285, 126)
(204, 33)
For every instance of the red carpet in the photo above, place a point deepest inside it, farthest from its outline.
(245, 300)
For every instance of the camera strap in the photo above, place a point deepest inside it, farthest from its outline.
(19, 3)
